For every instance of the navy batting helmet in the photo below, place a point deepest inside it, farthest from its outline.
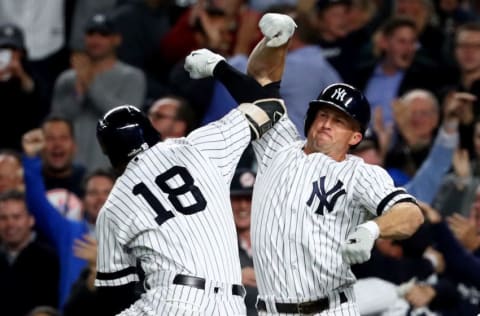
(123, 133)
(345, 98)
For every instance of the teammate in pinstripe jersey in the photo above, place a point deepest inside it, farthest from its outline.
(316, 209)
(170, 210)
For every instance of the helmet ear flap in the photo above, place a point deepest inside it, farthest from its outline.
(123, 133)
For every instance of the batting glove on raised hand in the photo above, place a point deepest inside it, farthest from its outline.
(201, 63)
(358, 245)
(277, 28)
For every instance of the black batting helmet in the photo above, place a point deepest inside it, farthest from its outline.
(124, 132)
(345, 98)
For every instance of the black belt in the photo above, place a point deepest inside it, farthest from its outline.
(312, 307)
(199, 283)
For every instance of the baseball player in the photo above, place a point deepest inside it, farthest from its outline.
(316, 209)
(170, 211)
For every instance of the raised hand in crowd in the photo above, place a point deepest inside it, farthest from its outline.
(33, 142)
(464, 230)
(401, 117)
(247, 33)
(460, 105)
(431, 214)
(15, 69)
(461, 167)
(84, 72)
(215, 34)
(384, 131)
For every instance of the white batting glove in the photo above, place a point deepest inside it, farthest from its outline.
(201, 63)
(358, 245)
(277, 28)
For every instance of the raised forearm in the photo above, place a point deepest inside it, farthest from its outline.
(400, 222)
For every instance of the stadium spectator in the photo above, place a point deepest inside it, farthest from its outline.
(462, 266)
(45, 27)
(451, 14)
(98, 82)
(430, 36)
(459, 187)
(62, 176)
(341, 44)
(397, 69)
(20, 92)
(467, 56)
(29, 270)
(62, 232)
(82, 10)
(142, 24)
(11, 171)
(215, 25)
(241, 196)
(172, 116)
(416, 131)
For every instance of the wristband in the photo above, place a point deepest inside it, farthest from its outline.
(372, 227)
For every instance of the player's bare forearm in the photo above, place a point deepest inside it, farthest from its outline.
(401, 221)
(266, 64)
(265, 70)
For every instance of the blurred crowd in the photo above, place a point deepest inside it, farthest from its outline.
(64, 63)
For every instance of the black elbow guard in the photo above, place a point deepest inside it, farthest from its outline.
(262, 115)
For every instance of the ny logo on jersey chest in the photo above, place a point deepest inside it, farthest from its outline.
(327, 198)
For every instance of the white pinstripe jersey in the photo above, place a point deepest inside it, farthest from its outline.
(303, 208)
(171, 208)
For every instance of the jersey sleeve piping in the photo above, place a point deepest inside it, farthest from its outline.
(387, 199)
(117, 274)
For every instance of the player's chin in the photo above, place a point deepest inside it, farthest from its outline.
(317, 147)
(322, 140)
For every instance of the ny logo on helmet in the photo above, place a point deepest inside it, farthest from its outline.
(339, 94)
(319, 190)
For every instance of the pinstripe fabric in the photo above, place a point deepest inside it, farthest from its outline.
(304, 206)
(173, 231)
